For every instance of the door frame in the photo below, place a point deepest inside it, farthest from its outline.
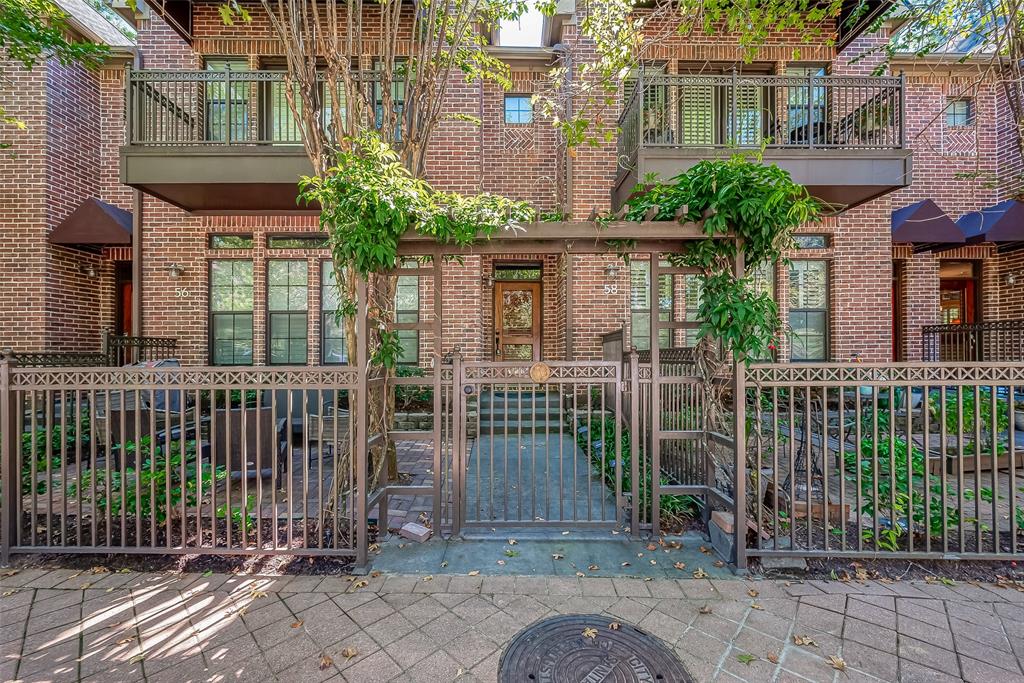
(496, 339)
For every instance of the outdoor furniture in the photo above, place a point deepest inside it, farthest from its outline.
(248, 442)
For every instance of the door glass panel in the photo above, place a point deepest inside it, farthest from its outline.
(518, 351)
(517, 310)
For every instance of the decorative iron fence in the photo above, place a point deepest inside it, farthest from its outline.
(906, 460)
(221, 107)
(183, 460)
(987, 342)
(117, 351)
(795, 112)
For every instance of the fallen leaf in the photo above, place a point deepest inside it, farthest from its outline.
(86, 585)
(580, 574)
(804, 640)
(590, 633)
(718, 564)
(475, 572)
(648, 579)
(511, 553)
(565, 533)
(9, 572)
(700, 573)
(375, 573)
(208, 572)
(704, 549)
(756, 606)
(745, 658)
(361, 583)
(137, 658)
(444, 564)
(836, 662)
(556, 556)
(651, 546)
(593, 567)
(297, 624)
(773, 657)
(349, 652)
(428, 578)
(125, 641)
(512, 541)
(752, 593)
(256, 593)
(704, 610)
(99, 570)
(624, 564)
(7, 594)
(325, 661)
(614, 626)
(501, 562)
(680, 565)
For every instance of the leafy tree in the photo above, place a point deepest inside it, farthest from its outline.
(35, 30)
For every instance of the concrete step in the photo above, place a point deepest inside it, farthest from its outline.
(542, 427)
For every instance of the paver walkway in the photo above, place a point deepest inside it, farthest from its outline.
(63, 625)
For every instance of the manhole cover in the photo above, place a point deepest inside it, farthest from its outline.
(557, 651)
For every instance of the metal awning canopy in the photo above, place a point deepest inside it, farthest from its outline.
(1002, 223)
(94, 223)
(926, 226)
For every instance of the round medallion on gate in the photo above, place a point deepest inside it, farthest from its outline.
(540, 372)
(588, 647)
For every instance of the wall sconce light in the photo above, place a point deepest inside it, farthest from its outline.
(87, 269)
(487, 280)
(1011, 279)
(175, 270)
(611, 271)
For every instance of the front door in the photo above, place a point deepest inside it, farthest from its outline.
(517, 333)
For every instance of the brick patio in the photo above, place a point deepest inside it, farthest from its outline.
(64, 625)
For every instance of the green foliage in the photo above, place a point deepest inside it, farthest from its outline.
(758, 204)
(34, 447)
(369, 200)
(601, 428)
(157, 486)
(412, 396)
(969, 421)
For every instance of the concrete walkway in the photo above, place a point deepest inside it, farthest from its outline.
(65, 625)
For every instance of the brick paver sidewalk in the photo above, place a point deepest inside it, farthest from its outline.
(63, 626)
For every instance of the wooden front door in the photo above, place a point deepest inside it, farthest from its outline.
(517, 308)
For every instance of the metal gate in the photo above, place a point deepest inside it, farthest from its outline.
(538, 444)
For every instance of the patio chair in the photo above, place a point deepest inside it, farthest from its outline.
(248, 442)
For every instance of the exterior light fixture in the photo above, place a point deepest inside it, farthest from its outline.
(87, 269)
(1011, 279)
(175, 270)
(611, 271)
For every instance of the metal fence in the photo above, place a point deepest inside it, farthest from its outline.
(117, 351)
(808, 112)
(181, 460)
(898, 460)
(993, 341)
(220, 107)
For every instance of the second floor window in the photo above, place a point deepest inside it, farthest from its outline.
(287, 306)
(231, 312)
(518, 109)
(960, 113)
(808, 310)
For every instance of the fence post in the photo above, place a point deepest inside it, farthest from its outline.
(458, 442)
(9, 439)
(739, 432)
(634, 441)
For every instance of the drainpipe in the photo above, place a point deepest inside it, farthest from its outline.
(563, 55)
(137, 206)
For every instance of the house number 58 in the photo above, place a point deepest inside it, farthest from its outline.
(611, 289)
(181, 292)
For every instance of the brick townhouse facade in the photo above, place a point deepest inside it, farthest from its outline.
(229, 267)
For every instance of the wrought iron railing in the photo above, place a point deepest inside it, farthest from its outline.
(223, 107)
(993, 341)
(117, 351)
(796, 112)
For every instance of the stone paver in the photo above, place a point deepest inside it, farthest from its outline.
(157, 627)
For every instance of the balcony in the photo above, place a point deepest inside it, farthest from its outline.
(214, 141)
(987, 342)
(842, 137)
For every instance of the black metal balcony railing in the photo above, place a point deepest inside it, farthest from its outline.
(988, 342)
(175, 108)
(791, 112)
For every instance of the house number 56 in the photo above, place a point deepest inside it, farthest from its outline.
(181, 292)
(611, 289)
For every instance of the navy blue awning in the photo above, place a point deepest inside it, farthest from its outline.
(924, 224)
(1003, 222)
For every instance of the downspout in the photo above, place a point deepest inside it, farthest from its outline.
(480, 148)
(137, 207)
(564, 56)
